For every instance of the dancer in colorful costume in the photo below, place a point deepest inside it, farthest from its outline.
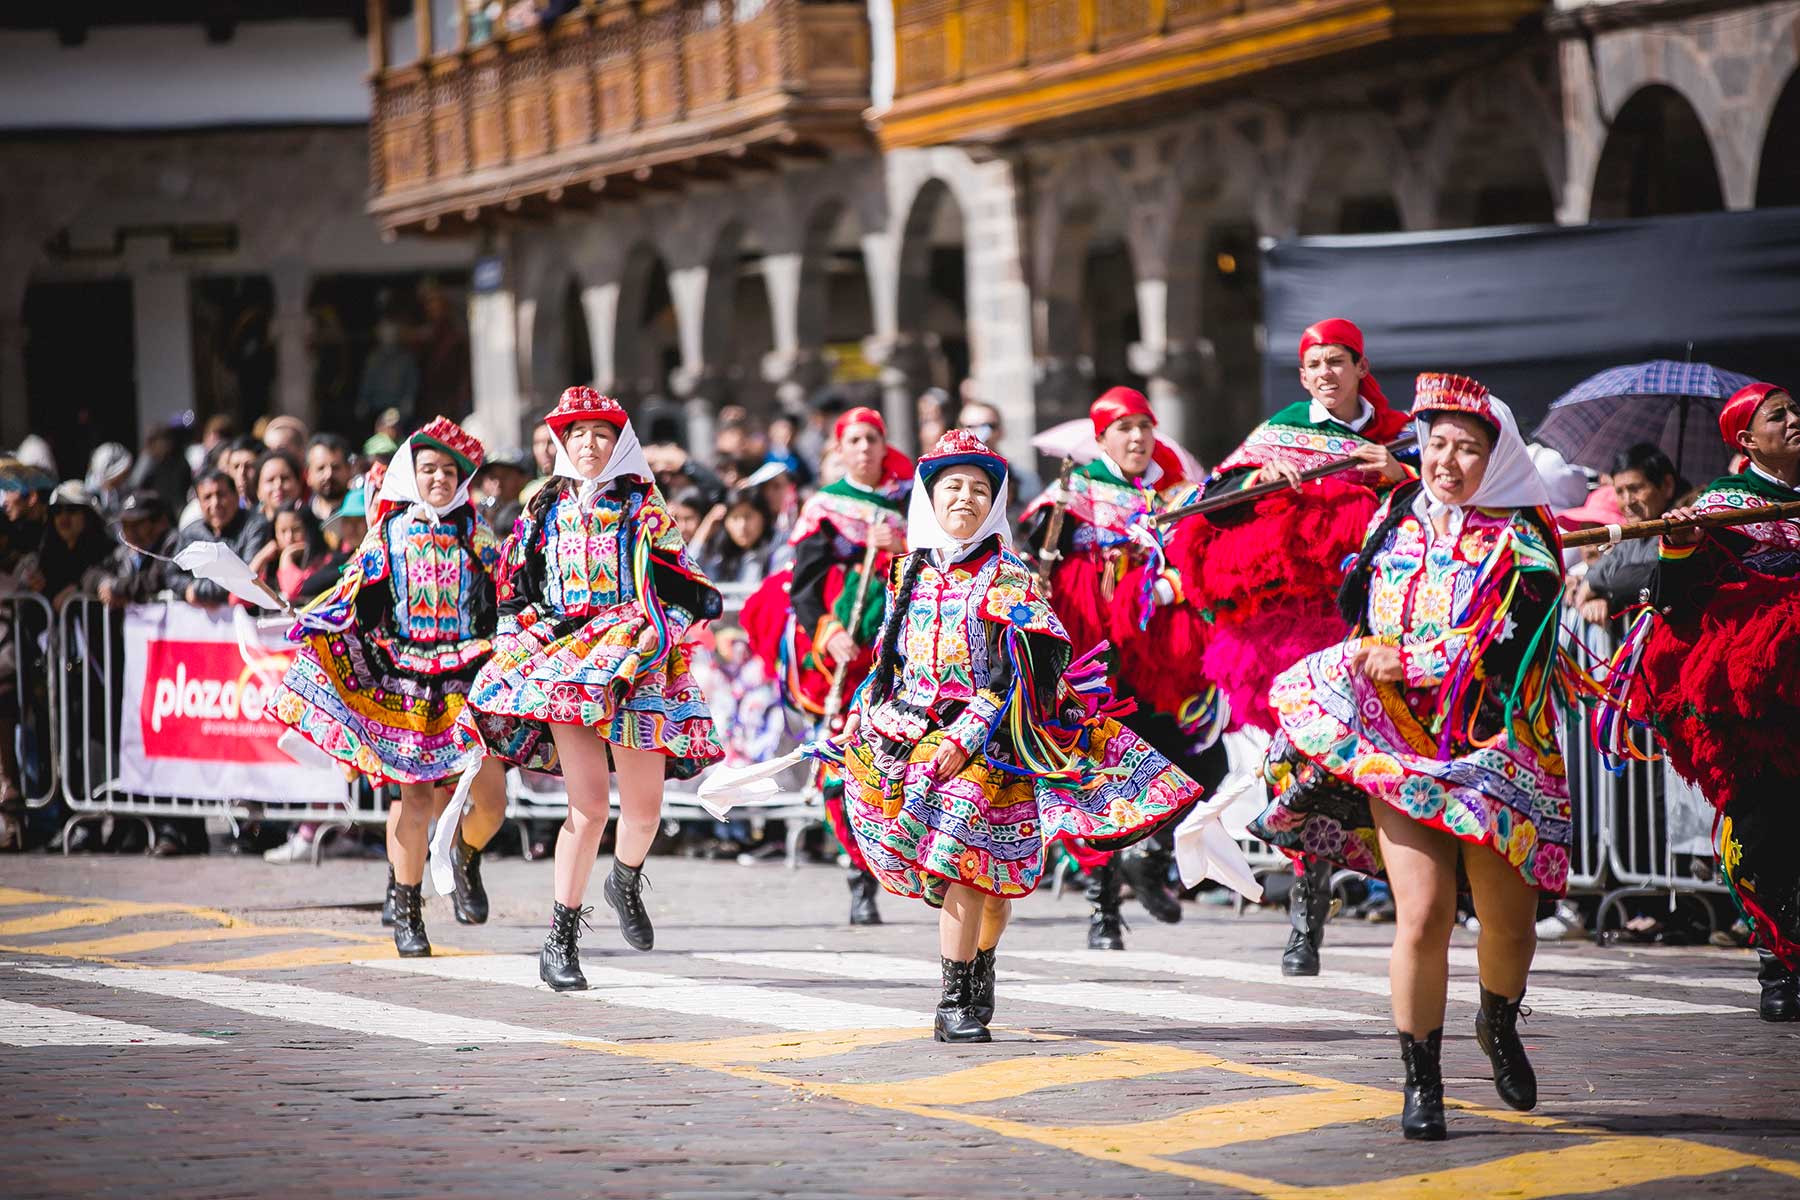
(1110, 585)
(974, 743)
(1427, 743)
(588, 675)
(387, 658)
(1266, 573)
(1720, 676)
(817, 624)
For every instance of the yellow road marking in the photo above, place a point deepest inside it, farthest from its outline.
(772, 1047)
(11, 896)
(308, 956)
(1220, 1125)
(1011, 1077)
(87, 914)
(142, 942)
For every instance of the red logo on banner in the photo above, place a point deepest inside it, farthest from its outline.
(202, 701)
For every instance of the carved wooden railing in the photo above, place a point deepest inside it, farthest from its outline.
(615, 89)
(983, 67)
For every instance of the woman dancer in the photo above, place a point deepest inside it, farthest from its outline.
(974, 743)
(1428, 742)
(387, 657)
(588, 676)
(1721, 677)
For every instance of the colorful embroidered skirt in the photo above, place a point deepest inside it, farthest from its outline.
(1346, 743)
(385, 707)
(987, 828)
(588, 676)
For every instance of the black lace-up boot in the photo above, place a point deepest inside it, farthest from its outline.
(1106, 925)
(981, 999)
(469, 899)
(559, 962)
(1497, 1033)
(1422, 1120)
(387, 902)
(409, 922)
(1309, 906)
(863, 887)
(1145, 867)
(624, 892)
(956, 1020)
(1780, 989)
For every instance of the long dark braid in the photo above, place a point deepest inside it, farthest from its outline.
(889, 656)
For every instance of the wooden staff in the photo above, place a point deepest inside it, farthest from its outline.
(1049, 554)
(1215, 503)
(835, 700)
(1604, 534)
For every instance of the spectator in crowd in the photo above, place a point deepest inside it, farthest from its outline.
(689, 508)
(27, 513)
(215, 434)
(239, 461)
(277, 487)
(221, 520)
(1646, 484)
(543, 449)
(784, 432)
(75, 542)
(983, 420)
(132, 572)
(736, 539)
(386, 438)
(675, 471)
(286, 435)
(163, 466)
(933, 411)
(498, 485)
(343, 534)
(108, 474)
(327, 473)
(299, 542)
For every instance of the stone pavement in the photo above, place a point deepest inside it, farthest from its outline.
(219, 1027)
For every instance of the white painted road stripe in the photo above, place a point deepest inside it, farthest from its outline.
(30, 1025)
(1745, 983)
(1562, 1002)
(1190, 1007)
(307, 1006)
(1546, 961)
(784, 1009)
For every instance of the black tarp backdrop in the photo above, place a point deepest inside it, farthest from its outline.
(1533, 311)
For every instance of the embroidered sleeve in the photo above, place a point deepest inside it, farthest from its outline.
(971, 729)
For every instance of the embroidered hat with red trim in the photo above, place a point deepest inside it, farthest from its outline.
(960, 448)
(1444, 393)
(583, 403)
(442, 433)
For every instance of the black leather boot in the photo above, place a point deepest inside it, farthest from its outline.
(1309, 904)
(981, 998)
(469, 899)
(1422, 1120)
(956, 1019)
(1145, 867)
(863, 886)
(1106, 925)
(387, 903)
(1497, 1033)
(1780, 989)
(559, 963)
(409, 922)
(624, 892)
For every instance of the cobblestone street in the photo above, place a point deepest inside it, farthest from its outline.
(274, 1045)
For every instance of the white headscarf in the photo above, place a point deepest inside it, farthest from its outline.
(925, 532)
(401, 485)
(1511, 481)
(627, 459)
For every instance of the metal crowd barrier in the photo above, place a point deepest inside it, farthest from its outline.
(27, 655)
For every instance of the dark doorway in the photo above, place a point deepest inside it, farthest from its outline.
(234, 347)
(1657, 162)
(1778, 181)
(80, 368)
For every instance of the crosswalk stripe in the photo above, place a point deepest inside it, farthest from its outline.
(876, 968)
(308, 1006)
(1723, 983)
(1465, 957)
(1565, 1002)
(32, 1025)
(779, 1007)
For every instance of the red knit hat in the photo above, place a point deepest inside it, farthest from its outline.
(1740, 410)
(441, 433)
(1115, 404)
(859, 416)
(1444, 393)
(1335, 331)
(583, 403)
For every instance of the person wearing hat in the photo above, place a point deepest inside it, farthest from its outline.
(1266, 573)
(135, 571)
(497, 487)
(108, 475)
(75, 542)
(1111, 586)
(974, 743)
(387, 658)
(588, 674)
(1424, 747)
(814, 626)
(1718, 676)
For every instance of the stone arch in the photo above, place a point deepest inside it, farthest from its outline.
(934, 211)
(1658, 160)
(1371, 165)
(1778, 174)
(1495, 155)
(644, 333)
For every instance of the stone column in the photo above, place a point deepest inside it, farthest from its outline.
(999, 304)
(1179, 380)
(1062, 389)
(163, 335)
(794, 366)
(695, 382)
(905, 365)
(494, 361)
(600, 306)
(287, 328)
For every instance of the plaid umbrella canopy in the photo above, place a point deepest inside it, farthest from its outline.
(1673, 404)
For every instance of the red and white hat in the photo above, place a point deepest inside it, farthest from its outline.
(1440, 392)
(583, 403)
(441, 433)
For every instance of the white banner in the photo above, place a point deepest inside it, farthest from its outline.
(193, 723)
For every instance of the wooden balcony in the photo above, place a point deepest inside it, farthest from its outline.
(982, 70)
(616, 97)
